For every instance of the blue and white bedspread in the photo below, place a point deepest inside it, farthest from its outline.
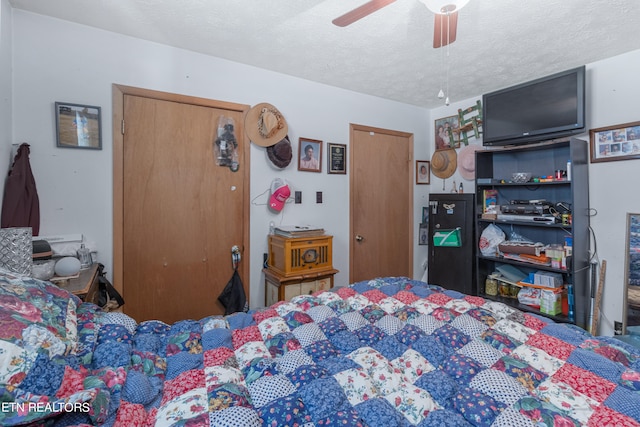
(388, 352)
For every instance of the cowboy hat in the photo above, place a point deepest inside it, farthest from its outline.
(467, 161)
(444, 163)
(265, 125)
(280, 153)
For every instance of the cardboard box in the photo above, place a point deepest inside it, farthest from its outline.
(551, 302)
(490, 201)
(548, 279)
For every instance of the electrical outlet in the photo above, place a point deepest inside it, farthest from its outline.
(298, 197)
(318, 196)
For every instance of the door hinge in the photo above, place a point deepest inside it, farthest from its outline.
(122, 127)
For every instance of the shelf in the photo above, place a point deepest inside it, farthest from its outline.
(527, 223)
(524, 264)
(513, 302)
(494, 169)
(522, 184)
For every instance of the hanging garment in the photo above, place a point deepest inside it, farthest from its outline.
(20, 205)
(233, 297)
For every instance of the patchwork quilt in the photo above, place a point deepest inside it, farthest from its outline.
(386, 352)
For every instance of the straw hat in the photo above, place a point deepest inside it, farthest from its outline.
(467, 161)
(265, 125)
(444, 163)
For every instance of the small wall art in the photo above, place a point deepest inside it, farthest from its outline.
(336, 158)
(447, 133)
(619, 142)
(78, 126)
(423, 234)
(309, 155)
(423, 171)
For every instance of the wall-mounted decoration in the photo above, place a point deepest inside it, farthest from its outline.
(619, 142)
(336, 158)
(78, 126)
(469, 120)
(225, 147)
(423, 172)
(423, 234)
(309, 155)
(446, 133)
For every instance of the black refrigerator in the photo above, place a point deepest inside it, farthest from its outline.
(451, 260)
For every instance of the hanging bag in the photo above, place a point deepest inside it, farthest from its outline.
(233, 297)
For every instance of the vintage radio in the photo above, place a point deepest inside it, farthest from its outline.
(291, 256)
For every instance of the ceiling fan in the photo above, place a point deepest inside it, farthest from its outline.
(446, 17)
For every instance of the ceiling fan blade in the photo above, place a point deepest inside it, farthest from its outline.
(360, 12)
(444, 29)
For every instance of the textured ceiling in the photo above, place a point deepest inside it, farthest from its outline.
(387, 54)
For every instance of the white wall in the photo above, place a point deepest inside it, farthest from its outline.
(614, 93)
(5, 87)
(59, 61)
(612, 98)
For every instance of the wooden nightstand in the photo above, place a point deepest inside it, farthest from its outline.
(85, 285)
(282, 288)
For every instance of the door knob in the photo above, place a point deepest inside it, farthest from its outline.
(359, 238)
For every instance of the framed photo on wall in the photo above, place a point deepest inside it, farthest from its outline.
(309, 155)
(78, 126)
(423, 171)
(446, 133)
(619, 142)
(336, 158)
(423, 234)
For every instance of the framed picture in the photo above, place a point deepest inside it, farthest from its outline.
(423, 172)
(336, 158)
(78, 126)
(447, 133)
(423, 234)
(309, 155)
(619, 142)
(425, 215)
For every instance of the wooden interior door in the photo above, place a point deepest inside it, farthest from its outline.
(181, 213)
(381, 187)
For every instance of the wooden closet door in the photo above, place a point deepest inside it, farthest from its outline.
(381, 210)
(181, 212)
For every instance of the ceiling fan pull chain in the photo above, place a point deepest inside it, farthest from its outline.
(446, 101)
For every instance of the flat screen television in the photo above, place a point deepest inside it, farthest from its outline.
(543, 109)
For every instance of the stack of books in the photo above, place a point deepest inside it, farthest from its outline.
(298, 231)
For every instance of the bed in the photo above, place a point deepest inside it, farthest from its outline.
(386, 352)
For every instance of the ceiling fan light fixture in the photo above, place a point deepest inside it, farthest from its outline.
(443, 7)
